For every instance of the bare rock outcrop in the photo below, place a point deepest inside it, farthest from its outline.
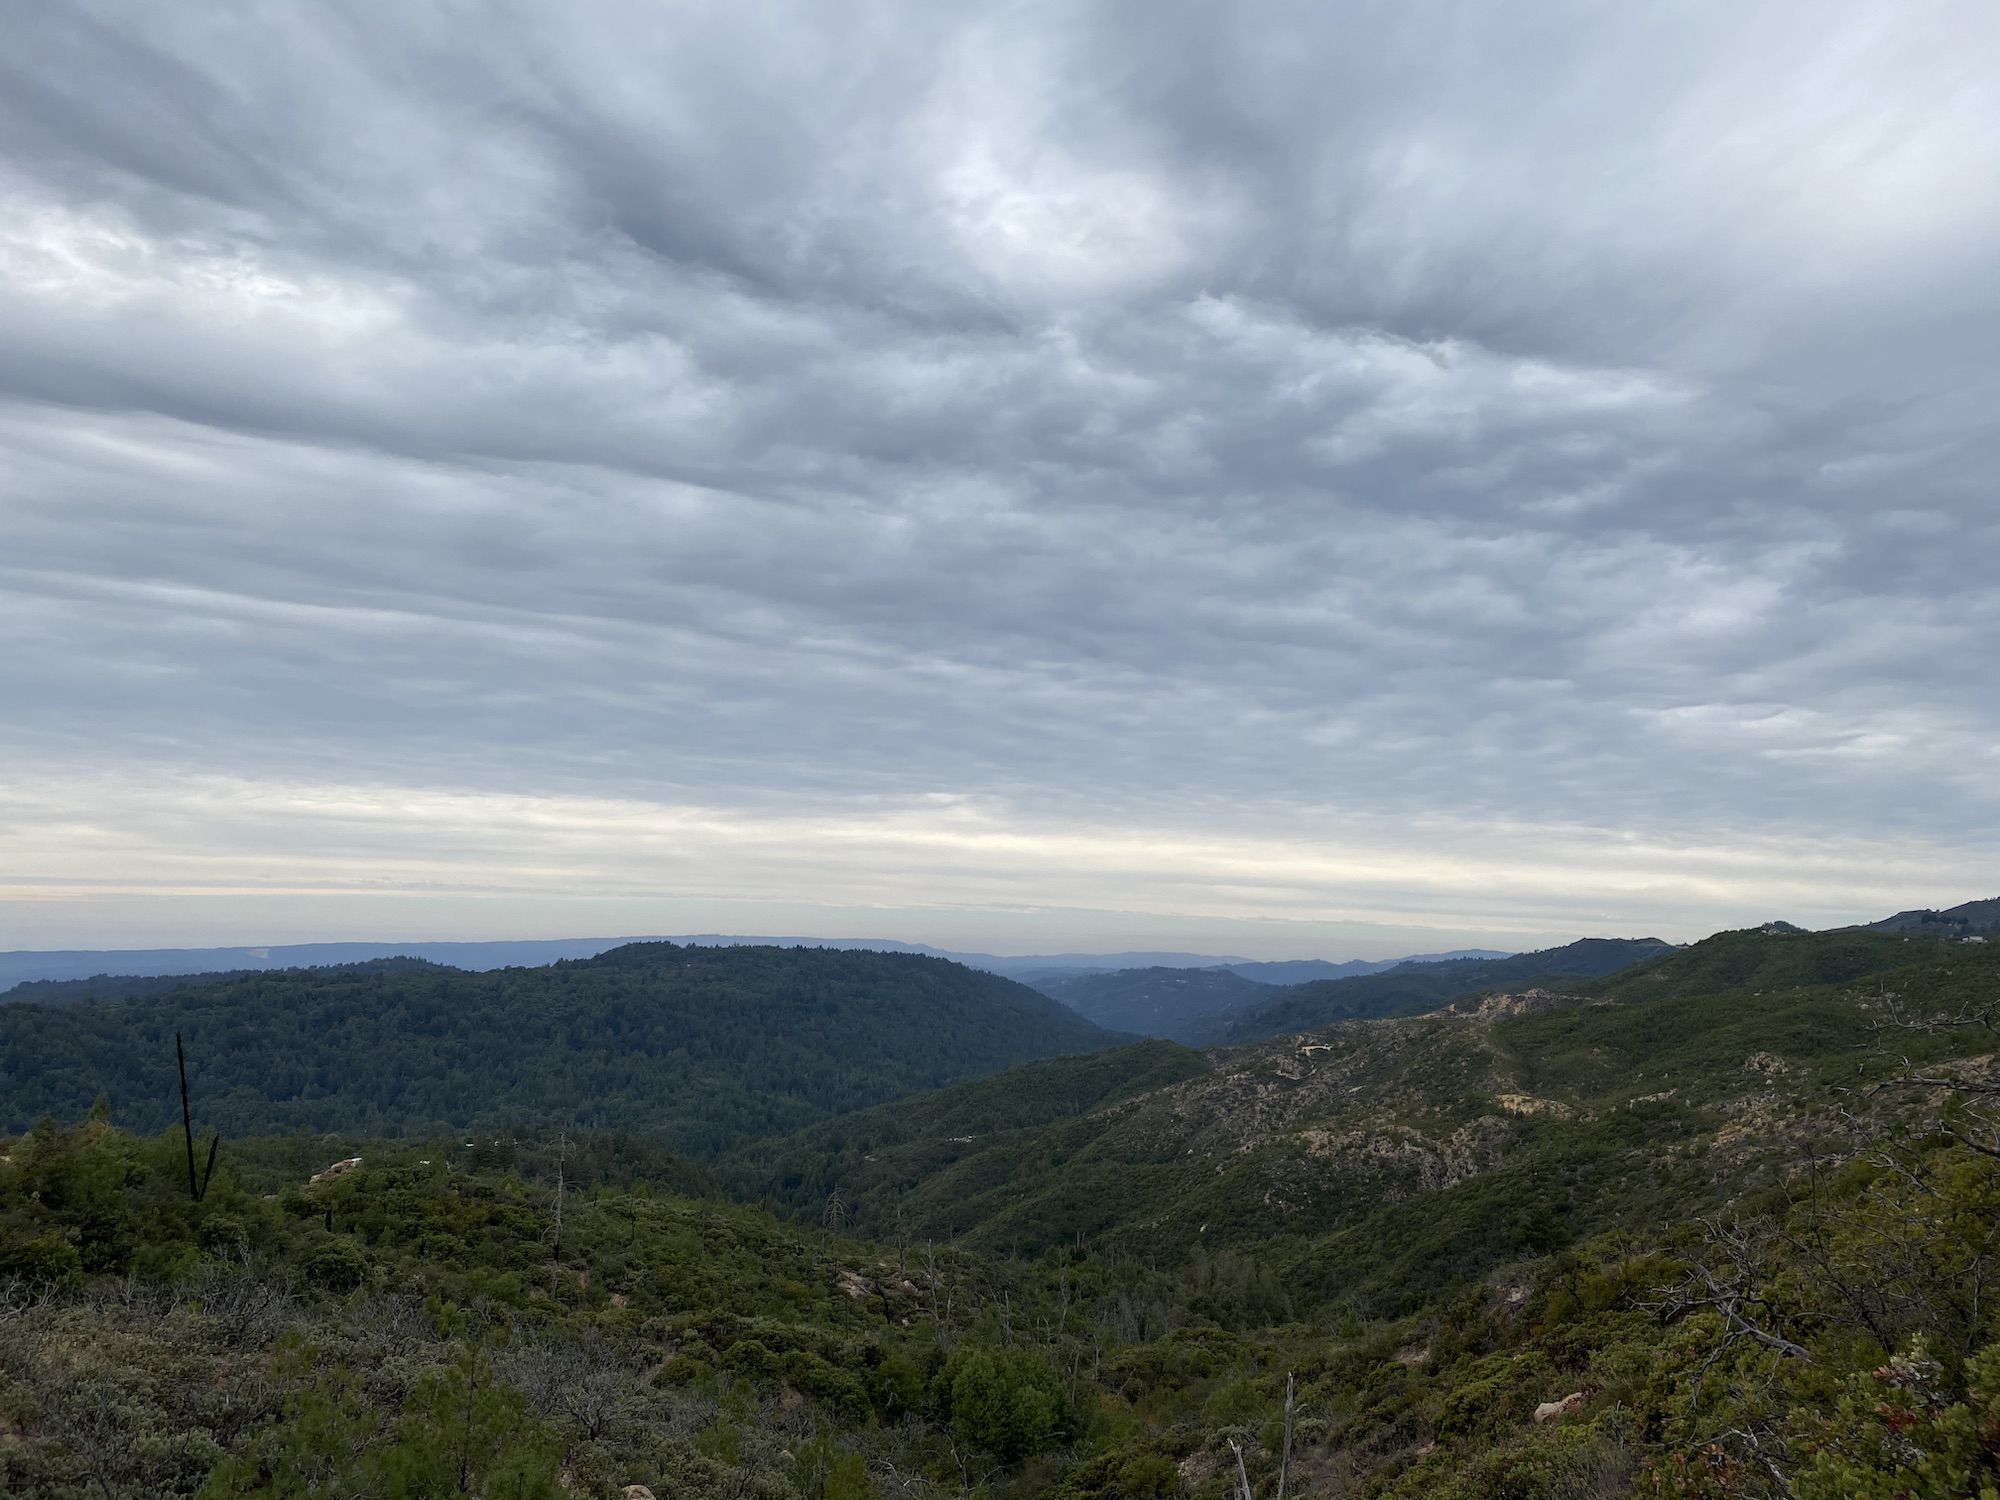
(1500, 1007)
(1528, 1104)
(1555, 1411)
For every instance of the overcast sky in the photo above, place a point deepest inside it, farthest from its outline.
(1283, 478)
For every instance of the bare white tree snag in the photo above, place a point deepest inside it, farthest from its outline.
(1285, 1460)
(1242, 1474)
(555, 1226)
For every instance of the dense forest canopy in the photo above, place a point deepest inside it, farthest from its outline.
(696, 1046)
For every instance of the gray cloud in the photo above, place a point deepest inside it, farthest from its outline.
(1261, 422)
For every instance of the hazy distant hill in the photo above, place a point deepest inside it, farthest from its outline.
(1311, 970)
(1187, 1005)
(695, 1046)
(1413, 987)
(64, 965)
(1155, 1002)
(22, 966)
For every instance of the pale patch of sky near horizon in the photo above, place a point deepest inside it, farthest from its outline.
(1272, 477)
(250, 858)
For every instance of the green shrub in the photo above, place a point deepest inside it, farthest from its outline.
(335, 1265)
(1008, 1402)
(48, 1261)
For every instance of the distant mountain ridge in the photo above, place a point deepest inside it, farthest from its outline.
(66, 965)
(21, 966)
(1308, 970)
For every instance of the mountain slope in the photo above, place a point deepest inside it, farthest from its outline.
(696, 1046)
(918, 1136)
(1966, 919)
(1761, 958)
(1417, 986)
(1154, 1002)
(1401, 1153)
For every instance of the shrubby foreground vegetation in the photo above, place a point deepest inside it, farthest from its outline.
(1800, 1301)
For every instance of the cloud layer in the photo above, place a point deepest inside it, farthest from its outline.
(1514, 469)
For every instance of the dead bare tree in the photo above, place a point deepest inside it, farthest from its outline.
(1730, 1291)
(1242, 1474)
(1976, 1125)
(556, 1219)
(1285, 1459)
(1985, 1017)
(18, 1297)
(936, 1281)
(1973, 1016)
(196, 1190)
(246, 1306)
(586, 1383)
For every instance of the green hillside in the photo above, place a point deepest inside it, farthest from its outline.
(892, 1148)
(1765, 959)
(696, 1047)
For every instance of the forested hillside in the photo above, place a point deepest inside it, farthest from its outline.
(906, 1142)
(1415, 986)
(696, 1047)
